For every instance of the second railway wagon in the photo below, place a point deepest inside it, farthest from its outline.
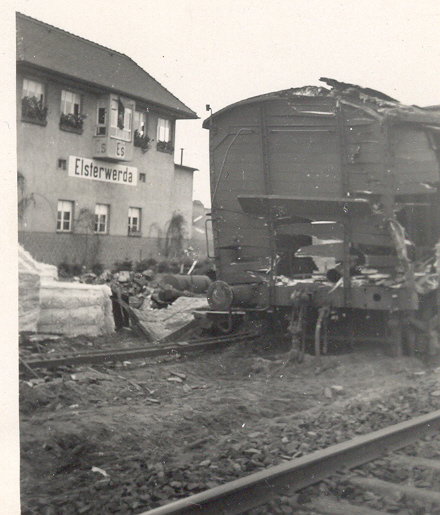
(325, 208)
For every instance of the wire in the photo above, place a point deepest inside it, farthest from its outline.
(224, 161)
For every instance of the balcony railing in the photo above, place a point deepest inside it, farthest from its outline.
(33, 110)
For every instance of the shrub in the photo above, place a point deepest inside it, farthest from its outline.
(126, 264)
(98, 268)
(69, 270)
(64, 269)
(145, 264)
(164, 267)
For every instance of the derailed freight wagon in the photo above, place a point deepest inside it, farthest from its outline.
(326, 216)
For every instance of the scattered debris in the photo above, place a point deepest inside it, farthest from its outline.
(100, 471)
(337, 389)
(178, 374)
(175, 379)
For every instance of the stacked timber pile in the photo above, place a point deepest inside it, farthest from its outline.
(49, 306)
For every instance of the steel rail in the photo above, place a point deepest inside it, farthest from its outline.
(137, 353)
(257, 489)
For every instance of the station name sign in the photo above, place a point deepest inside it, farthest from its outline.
(85, 168)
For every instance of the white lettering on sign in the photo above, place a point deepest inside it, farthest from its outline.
(85, 168)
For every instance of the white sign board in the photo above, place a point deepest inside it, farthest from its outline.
(85, 168)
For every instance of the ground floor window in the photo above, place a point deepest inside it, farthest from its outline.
(134, 220)
(64, 215)
(101, 218)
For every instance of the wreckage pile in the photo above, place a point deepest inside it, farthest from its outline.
(158, 304)
(94, 305)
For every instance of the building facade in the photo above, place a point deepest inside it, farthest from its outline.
(97, 182)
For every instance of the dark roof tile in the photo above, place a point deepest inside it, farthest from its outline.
(50, 48)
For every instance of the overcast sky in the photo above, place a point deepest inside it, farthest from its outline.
(219, 52)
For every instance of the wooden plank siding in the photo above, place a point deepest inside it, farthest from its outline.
(236, 166)
(292, 147)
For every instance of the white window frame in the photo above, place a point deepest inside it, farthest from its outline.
(140, 120)
(164, 130)
(65, 216)
(125, 133)
(101, 126)
(134, 220)
(70, 102)
(101, 218)
(33, 88)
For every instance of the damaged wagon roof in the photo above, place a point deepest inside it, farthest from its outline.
(383, 105)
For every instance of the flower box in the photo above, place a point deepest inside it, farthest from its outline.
(33, 110)
(72, 122)
(141, 141)
(165, 146)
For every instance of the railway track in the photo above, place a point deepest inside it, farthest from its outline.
(152, 351)
(379, 447)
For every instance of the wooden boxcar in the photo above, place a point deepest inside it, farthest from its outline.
(325, 205)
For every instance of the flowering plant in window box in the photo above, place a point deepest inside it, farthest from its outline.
(165, 146)
(33, 109)
(72, 121)
(142, 141)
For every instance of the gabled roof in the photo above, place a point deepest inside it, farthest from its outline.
(49, 48)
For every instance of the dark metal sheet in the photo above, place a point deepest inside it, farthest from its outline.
(308, 208)
(334, 250)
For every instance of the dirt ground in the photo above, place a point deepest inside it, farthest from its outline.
(129, 437)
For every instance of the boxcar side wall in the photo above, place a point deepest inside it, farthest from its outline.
(304, 152)
(241, 242)
(315, 147)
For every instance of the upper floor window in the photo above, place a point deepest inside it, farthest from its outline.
(64, 215)
(141, 138)
(134, 220)
(140, 122)
(164, 135)
(121, 118)
(71, 117)
(101, 117)
(101, 218)
(163, 129)
(32, 88)
(70, 102)
(33, 106)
